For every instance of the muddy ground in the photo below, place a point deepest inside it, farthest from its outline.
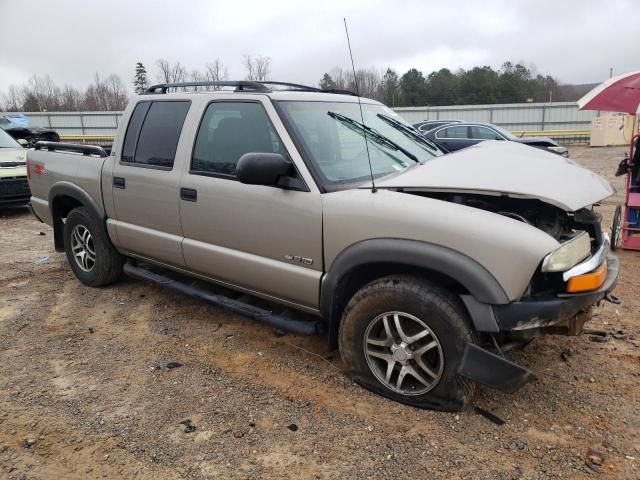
(85, 391)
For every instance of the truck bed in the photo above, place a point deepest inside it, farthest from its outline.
(58, 164)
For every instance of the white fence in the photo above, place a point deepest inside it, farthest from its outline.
(514, 117)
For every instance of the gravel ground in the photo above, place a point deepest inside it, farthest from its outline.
(86, 388)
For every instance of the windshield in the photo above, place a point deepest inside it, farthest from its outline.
(333, 135)
(7, 141)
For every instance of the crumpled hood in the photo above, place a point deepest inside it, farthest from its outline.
(506, 168)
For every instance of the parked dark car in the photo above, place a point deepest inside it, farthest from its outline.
(456, 136)
(29, 134)
(427, 125)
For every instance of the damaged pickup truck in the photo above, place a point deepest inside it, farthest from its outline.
(423, 280)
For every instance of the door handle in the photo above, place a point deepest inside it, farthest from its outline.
(119, 182)
(189, 194)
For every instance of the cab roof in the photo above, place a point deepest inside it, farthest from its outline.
(284, 90)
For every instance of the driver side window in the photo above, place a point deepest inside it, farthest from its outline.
(227, 131)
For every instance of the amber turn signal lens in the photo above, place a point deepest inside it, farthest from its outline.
(588, 281)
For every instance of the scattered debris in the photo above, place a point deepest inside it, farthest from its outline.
(172, 365)
(619, 335)
(28, 442)
(188, 426)
(91, 330)
(612, 299)
(595, 457)
(293, 427)
(279, 333)
(41, 260)
(565, 354)
(488, 415)
(597, 335)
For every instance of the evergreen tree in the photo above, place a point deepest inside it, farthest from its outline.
(140, 83)
(413, 88)
(327, 83)
(391, 88)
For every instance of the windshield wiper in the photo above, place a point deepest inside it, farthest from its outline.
(408, 131)
(373, 133)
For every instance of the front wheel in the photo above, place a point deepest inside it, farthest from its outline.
(403, 337)
(90, 254)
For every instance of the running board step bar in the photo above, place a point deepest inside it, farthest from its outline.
(299, 327)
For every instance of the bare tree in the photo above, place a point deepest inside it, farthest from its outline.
(216, 72)
(107, 95)
(44, 91)
(197, 76)
(70, 99)
(258, 68)
(13, 100)
(170, 73)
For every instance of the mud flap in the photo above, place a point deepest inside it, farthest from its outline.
(492, 370)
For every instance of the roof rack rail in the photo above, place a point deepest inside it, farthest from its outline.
(241, 85)
(245, 85)
(72, 147)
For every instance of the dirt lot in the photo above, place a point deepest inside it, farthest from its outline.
(85, 391)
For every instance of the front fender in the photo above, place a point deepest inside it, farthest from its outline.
(480, 283)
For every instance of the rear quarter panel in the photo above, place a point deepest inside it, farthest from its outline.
(50, 168)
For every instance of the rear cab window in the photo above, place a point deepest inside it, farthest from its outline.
(153, 133)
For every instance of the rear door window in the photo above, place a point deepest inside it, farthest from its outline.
(153, 133)
(453, 132)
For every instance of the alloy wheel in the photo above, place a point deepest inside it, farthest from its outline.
(83, 248)
(403, 353)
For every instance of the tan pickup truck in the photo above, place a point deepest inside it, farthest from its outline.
(424, 279)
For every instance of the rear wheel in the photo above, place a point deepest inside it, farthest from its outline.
(616, 228)
(90, 254)
(403, 337)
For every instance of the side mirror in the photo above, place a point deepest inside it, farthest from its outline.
(23, 142)
(263, 168)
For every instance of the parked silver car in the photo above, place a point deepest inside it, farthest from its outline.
(423, 280)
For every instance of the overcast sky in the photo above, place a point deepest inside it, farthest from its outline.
(576, 41)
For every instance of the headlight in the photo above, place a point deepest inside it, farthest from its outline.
(568, 254)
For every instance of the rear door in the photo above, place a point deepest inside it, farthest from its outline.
(454, 137)
(145, 181)
(263, 239)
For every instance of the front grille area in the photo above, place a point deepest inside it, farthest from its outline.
(14, 189)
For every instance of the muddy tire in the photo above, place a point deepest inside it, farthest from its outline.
(403, 337)
(90, 254)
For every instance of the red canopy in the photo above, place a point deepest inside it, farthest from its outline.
(618, 94)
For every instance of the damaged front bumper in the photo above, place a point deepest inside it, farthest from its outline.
(563, 314)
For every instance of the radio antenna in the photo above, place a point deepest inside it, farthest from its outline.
(364, 131)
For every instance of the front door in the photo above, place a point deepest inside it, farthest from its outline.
(146, 182)
(266, 240)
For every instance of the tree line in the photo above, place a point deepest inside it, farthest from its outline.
(511, 83)
(42, 94)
